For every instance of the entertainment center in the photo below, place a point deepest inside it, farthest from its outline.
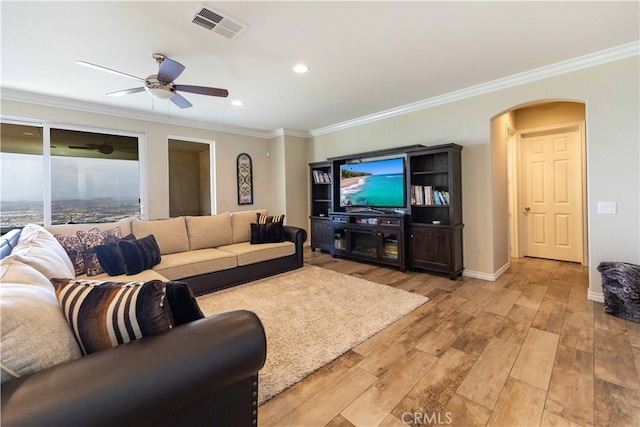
(400, 207)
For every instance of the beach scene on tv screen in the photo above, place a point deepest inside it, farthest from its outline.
(378, 183)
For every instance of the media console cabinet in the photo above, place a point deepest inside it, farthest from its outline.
(428, 236)
(370, 237)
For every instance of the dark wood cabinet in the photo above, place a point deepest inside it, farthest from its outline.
(435, 193)
(321, 234)
(370, 237)
(428, 236)
(321, 204)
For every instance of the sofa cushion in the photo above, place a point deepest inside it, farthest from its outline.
(71, 229)
(106, 314)
(33, 332)
(139, 254)
(39, 249)
(110, 257)
(241, 225)
(250, 254)
(170, 234)
(143, 276)
(270, 232)
(194, 263)
(209, 231)
(92, 238)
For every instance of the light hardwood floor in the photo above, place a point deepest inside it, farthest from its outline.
(526, 350)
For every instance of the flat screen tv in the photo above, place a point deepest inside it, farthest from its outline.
(373, 184)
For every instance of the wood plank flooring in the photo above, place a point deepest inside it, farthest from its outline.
(526, 350)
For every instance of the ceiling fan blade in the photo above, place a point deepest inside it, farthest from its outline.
(81, 147)
(203, 90)
(169, 70)
(180, 101)
(126, 91)
(109, 70)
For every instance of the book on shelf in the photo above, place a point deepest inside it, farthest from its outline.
(426, 195)
(320, 177)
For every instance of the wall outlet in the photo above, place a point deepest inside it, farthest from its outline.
(606, 207)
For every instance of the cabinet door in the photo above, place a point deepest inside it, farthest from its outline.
(321, 236)
(430, 248)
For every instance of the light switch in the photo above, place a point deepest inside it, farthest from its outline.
(606, 207)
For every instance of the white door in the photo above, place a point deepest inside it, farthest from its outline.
(552, 215)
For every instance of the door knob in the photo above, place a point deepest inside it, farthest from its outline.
(527, 210)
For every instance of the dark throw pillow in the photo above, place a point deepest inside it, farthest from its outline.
(270, 232)
(139, 255)
(106, 314)
(183, 304)
(110, 257)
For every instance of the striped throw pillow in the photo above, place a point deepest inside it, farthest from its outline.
(106, 314)
(265, 219)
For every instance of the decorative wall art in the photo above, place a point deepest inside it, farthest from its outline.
(244, 167)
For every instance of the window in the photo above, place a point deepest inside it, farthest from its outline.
(95, 177)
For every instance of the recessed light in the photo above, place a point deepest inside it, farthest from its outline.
(236, 102)
(301, 68)
(28, 133)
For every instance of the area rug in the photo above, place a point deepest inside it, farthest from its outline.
(311, 316)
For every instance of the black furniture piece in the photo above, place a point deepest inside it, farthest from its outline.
(321, 204)
(370, 237)
(435, 194)
(202, 373)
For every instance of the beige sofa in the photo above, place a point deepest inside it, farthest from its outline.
(207, 252)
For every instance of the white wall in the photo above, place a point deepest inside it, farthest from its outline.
(227, 147)
(611, 94)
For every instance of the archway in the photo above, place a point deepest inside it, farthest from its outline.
(537, 232)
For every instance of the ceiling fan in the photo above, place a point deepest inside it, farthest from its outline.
(161, 85)
(101, 148)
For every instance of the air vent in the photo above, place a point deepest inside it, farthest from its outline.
(218, 22)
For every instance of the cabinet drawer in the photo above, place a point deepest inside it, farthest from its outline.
(389, 222)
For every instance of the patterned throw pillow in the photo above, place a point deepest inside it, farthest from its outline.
(264, 219)
(73, 246)
(92, 238)
(106, 314)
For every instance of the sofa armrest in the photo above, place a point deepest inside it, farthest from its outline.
(142, 382)
(298, 236)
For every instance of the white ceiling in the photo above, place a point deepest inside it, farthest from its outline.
(365, 57)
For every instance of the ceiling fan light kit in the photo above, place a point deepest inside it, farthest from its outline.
(161, 85)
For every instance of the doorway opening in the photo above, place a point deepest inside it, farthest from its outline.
(191, 184)
(545, 154)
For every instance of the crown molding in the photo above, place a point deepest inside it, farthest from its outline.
(591, 60)
(290, 132)
(70, 104)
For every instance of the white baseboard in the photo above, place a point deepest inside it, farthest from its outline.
(595, 296)
(491, 277)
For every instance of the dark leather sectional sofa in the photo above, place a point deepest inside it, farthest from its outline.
(203, 373)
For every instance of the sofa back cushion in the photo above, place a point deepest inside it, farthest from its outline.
(209, 231)
(34, 334)
(170, 234)
(71, 229)
(39, 249)
(241, 224)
